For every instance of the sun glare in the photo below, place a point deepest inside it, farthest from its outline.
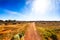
(40, 6)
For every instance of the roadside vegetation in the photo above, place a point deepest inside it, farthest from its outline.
(48, 34)
(15, 30)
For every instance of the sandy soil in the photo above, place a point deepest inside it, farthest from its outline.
(31, 33)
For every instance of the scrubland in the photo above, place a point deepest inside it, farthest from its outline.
(49, 30)
(9, 31)
(15, 31)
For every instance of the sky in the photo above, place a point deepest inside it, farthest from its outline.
(30, 10)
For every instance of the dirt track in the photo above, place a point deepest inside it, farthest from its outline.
(31, 33)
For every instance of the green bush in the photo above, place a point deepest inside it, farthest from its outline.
(48, 33)
(18, 36)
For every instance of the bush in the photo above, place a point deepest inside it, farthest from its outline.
(18, 36)
(48, 33)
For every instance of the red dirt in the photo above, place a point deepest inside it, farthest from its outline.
(31, 33)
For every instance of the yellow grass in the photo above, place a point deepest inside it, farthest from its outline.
(10, 30)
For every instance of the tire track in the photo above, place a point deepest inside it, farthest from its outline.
(31, 33)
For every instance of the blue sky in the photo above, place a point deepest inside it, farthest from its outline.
(30, 10)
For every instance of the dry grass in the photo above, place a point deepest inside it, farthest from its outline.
(10, 30)
(51, 26)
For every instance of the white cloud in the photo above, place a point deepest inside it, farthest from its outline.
(42, 10)
(40, 6)
(30, 16)
(28, 2)
(39, 10)
(10, 12)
